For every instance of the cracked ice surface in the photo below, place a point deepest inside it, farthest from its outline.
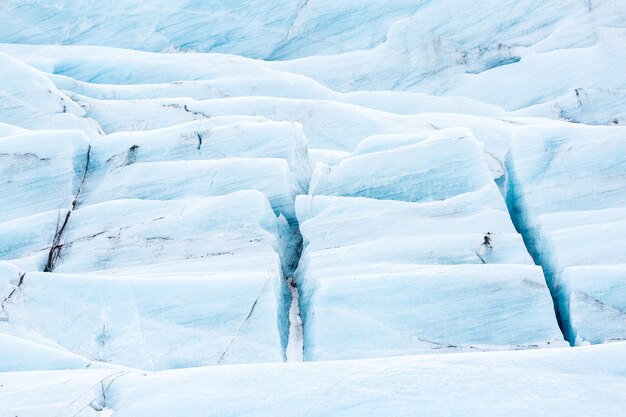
(189, 248)
(568, 191)
(167, 294)
(390, 235)
(163, 191)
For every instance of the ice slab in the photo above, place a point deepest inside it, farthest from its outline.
(357, 231)
(150, 322)
(405, 221)
(567, 193)
(594, 297)
(427, 308)
(173, 180)
(30, 100)
(26, 241)
(40, 171)
(181, 235)
(206, 139)
(432, 169)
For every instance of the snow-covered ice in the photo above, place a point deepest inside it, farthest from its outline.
(547, 382)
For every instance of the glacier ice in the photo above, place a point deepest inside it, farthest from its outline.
(255, 183)
(154, 281)
(30, 100)
(396, 259)
(567, 191)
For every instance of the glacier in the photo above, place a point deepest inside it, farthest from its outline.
(312, 208)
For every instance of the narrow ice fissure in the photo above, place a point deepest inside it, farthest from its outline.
(243, 324)
(293, 350)
(4, 316)
(95, 397)
(295, 344)
(56, 246)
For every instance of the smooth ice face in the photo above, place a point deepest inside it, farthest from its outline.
(17, 354)
(155, 321)
(595, 298)
(21, 349)
(10, 130)
(26, 241)
(206, 139)
(142, 235)
(390, 234)
(429, 170)
(428, 309)
(597, 243)
(41, 171)
(174, 180)
(567, 191)
(548, 160)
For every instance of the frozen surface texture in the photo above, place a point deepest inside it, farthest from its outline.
(192, 193)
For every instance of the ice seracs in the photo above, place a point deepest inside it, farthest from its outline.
(181, 224)
(567, 193)
(408, 248)
(154, 285)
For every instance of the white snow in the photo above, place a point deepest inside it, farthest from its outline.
(550, 382)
